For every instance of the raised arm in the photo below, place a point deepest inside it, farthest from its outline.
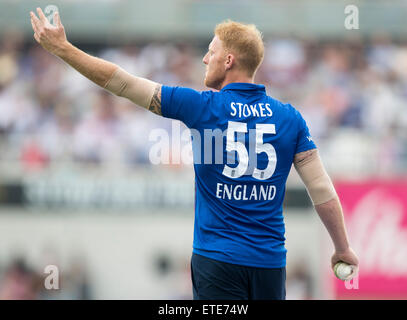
(143, 92)
(326, 202)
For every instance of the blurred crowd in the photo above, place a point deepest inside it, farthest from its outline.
(352, 93)
(21, 279)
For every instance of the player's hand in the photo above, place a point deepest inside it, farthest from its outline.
(348, 256)
(51, 38)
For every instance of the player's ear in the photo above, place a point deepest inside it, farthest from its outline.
(230, 60)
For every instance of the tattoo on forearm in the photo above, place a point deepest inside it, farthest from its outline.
(155, 104)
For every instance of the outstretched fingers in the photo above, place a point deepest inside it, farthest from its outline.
(57, 19)
(34, 26)
(49, 36)
(36, 23)
(41, 15)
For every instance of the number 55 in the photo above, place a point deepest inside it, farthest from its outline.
(240, 148)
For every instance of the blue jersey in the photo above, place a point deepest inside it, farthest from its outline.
(244, 144)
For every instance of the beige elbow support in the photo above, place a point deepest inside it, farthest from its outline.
(316, 179)
(138, 90)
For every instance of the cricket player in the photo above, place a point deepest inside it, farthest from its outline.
(238, 247)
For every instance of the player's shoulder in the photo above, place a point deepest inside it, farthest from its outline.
(186, 93)
(287, 108)
(210, 93)
(205, 94)
(212, 97)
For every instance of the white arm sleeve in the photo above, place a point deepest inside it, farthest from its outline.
(315, 178)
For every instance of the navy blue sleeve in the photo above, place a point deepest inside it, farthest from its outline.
(304, 138)
(183, 104)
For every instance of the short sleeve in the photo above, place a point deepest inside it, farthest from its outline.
(183, 104)
(304, 138)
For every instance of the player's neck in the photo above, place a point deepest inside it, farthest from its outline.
(236, 77)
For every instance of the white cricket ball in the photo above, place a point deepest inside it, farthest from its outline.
(342, 270)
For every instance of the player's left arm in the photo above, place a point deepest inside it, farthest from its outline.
(326, 202)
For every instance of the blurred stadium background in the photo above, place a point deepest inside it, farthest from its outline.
(77, 189)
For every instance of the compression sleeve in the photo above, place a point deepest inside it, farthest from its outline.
(316, 179)
(138, 90)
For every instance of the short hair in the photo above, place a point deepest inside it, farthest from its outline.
(245, 41)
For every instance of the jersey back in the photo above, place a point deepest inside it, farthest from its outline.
(244, 144)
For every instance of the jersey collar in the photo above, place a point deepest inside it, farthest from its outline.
(242, 86)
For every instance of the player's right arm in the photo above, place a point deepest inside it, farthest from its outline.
(142, 92)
